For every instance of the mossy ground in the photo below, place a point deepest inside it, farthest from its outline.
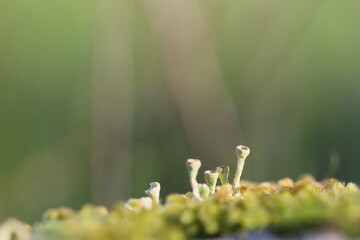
(283, 207)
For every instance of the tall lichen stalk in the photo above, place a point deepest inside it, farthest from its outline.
(193, 166)
(242, 152)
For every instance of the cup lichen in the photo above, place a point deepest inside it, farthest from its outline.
(223, 171)
(154, 192)
(211, 178)
(242, 152)
(193, 166)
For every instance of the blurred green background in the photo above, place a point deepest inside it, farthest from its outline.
(99, 98)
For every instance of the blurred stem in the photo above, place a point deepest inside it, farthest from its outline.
(112, 100)
(193, 74)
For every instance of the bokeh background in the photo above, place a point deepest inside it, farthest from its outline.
(98, 98)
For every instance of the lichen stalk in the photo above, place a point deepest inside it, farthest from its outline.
(211, 178)
(223, 174)
(204, 191)
(193, 166)
(154, 192)
(242, 152)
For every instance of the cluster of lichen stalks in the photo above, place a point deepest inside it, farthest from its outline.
(200, 191)
(209, 210)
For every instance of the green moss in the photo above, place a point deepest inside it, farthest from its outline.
(306, 204)
(283, 207)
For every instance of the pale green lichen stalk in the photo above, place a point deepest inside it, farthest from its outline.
(204, 190)
(242, 152)
(154, 192)
(223, 174)
(145, 203)
(193, 166)
(211, 178)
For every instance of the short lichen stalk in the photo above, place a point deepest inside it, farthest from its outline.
(242, 152)
(152, 201)
(223, 174)
(154, 192)
(193, 166)
(204, 191)
(211, 178)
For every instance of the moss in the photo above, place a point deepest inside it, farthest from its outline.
(282, 207)
(279, 207)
